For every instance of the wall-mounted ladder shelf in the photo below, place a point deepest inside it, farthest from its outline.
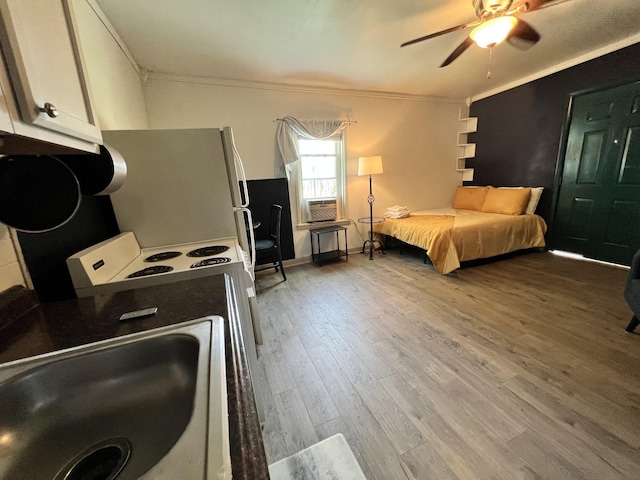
(466, 149)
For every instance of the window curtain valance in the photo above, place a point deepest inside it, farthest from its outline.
(289, 128)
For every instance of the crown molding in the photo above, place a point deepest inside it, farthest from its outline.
(559, 67)
(286, 87)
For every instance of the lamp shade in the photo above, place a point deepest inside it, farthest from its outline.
(370, 165)
(493, 31)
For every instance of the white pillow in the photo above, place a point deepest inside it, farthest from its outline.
(536, 192)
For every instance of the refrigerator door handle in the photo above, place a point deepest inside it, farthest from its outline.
(243, 177)
(252, 238)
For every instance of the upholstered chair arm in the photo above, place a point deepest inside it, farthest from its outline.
(632, 287)
(634, 273)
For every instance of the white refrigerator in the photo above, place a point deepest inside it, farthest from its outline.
(184, 186)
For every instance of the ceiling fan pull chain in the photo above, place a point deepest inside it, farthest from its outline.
(489, 67)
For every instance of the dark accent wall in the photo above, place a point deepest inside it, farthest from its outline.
(519, 131)
(262, 193)
(46, 253)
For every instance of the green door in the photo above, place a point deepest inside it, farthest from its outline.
(598, 209)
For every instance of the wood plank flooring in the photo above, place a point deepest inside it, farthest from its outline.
(514, 369)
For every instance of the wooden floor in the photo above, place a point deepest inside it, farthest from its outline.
(516, 369)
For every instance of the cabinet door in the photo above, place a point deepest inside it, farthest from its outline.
(40, 46)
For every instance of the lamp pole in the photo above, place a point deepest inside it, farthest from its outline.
(369, 166)
(370, 199)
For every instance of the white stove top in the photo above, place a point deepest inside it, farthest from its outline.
(108, 266)
(181, 263)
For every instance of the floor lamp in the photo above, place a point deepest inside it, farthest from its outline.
(370, 166)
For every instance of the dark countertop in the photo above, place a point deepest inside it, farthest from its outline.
(58, 325)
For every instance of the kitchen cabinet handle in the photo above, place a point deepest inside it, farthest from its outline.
(50, 109)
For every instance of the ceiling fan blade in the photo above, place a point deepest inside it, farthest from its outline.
(523, 36)
(437, 34)
(457, 52)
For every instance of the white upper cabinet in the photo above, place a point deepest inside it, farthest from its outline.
(43, 58)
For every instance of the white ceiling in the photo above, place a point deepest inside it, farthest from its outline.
(355, 44)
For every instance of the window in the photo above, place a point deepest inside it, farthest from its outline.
(320, 173)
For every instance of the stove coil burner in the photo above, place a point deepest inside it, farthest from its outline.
(158, 257)
(207, 262)
(208, 251)
(145, 272)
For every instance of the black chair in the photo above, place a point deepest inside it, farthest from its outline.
(268, 251)
(632, 291)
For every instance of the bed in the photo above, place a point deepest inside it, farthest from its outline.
(453, 235)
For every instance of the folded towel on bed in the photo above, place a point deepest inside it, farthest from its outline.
(397, 208)
(397, 211)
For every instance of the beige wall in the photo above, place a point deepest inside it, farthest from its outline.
(416, 138)
(113, 76)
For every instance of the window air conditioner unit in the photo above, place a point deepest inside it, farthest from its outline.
(324, 210)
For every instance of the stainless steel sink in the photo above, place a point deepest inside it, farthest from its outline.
(114, 409)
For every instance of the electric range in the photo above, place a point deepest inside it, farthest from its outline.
(119, 263)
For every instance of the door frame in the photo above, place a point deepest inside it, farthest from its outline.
(562, 150)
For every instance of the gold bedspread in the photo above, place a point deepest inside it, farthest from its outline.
(466, 235)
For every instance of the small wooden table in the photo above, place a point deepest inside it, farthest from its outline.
(332, 254)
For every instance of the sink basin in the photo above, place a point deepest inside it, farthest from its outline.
(134, 407)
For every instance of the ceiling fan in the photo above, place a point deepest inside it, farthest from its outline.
(498, 20)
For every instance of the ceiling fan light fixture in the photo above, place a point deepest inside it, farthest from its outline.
(493, 31)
